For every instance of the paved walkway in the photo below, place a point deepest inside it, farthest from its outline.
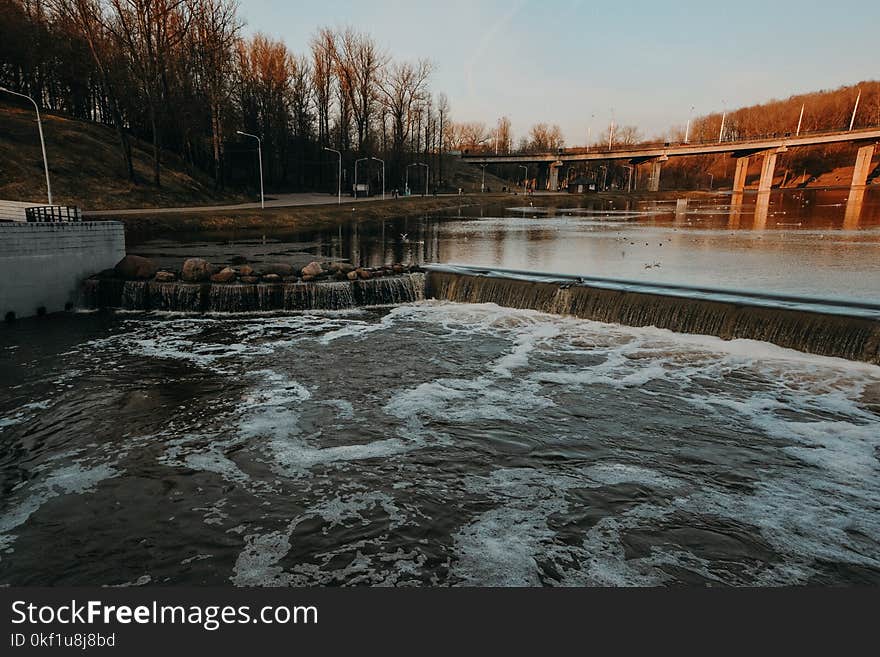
(275, 201)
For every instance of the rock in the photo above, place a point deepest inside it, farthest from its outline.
(133, 267)
(225, 275)
(312, 269)
(346, 267)
(238, 260)
(290, 279)
(246, 270)
(307, 278)
(352, 275)
(279, 268)
(397, 269)
(249, 279)
(271, 278)
(364, 274)
(165, 277)
(196, 270)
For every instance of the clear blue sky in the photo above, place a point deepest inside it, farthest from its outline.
(572, 62)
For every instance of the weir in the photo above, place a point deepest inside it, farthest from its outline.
(825, 327)
(258, 297)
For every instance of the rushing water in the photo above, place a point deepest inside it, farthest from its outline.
(430, 444)
(439, 443)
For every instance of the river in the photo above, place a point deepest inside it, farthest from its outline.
(452, 444)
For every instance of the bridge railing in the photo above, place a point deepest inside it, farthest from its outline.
(602, 148)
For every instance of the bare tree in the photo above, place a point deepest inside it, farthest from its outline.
(149, 30)
(89, 17)
(403, 86)
(323, 48)
(470, 135)
(359, 64)
(544, 138)
(503, 137)
(265, 71)
(215, 28)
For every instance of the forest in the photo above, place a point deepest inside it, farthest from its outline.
(183, 76)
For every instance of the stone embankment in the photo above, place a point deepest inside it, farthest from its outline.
(136, 283)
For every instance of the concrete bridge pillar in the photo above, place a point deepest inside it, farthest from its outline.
(739, 178)
(768, 168)
(654, 179)
(553, 178)
(863, 166)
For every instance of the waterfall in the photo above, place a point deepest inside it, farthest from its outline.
(390, 290)
(336, 295)
(828, 328)
(238, 297)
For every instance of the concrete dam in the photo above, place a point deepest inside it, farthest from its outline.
(842, 329)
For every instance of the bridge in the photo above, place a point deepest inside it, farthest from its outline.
(767, 148)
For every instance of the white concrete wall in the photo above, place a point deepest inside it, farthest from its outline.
(42, 265)
(14, 210)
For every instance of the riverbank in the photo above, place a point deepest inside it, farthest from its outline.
(307, 217)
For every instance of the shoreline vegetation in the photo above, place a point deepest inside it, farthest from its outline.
(322, 216)
(305, 217)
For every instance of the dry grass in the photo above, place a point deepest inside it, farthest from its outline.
(86, 168)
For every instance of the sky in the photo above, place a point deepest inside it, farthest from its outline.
(582, 63)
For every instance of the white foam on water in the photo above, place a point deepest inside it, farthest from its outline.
(258, 562)
(270, 421)
(24, 413)
(76, 478)
(824, 509)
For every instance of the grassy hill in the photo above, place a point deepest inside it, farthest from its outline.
(86, 168)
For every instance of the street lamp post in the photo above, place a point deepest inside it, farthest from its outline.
(711, 181)
(260, 158)
(338, 176)
(687, 130)
(526, 176)
(382, 162)
(852, 121)
(42, 141)
(361, 159)
(483, 181)
(604, 177)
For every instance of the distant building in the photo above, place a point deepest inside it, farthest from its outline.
(581, 185)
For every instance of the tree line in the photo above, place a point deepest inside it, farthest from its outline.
(183, 76)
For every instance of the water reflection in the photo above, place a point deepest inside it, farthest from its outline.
(797, 242)
(854, 203)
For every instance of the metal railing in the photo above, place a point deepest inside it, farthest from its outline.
(52, 213)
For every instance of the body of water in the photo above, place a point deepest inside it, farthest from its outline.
(452, 444)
